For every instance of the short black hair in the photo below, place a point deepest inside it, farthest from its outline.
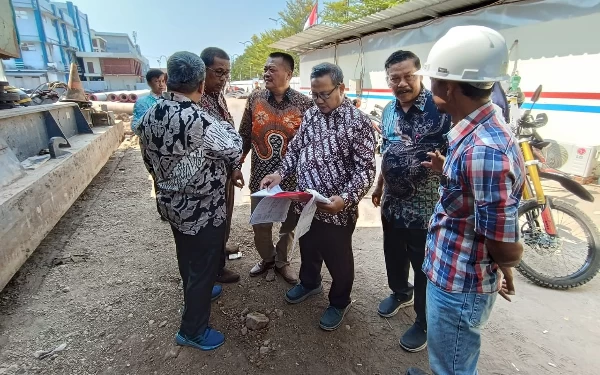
(400, 56)
(334, 71)
(208, 55)
(286, 57)
(153, 73)
(473, 92)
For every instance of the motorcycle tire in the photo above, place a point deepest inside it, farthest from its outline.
(592, 263)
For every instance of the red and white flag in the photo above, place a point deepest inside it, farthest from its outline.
(312, 18)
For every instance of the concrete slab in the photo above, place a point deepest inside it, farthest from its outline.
(33, 204)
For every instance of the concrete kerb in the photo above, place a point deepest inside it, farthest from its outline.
(32, 205)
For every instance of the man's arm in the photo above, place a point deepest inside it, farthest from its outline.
(378, 191)
(363, 155)
(220, 141)
(490, 178)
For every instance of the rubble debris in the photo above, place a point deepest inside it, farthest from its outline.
(256, 321)
(41, 354)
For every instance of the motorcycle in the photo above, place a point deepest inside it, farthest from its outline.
(375, 116)
(546, 240)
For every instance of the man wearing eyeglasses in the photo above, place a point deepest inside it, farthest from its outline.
(270, 121)
(213, 102)
(412, 126)
(334, 154)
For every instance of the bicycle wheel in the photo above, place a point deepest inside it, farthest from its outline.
(567, 260)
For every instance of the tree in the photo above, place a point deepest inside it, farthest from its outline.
(250, 64)
(343, 11)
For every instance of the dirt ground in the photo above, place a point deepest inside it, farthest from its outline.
(105, 282)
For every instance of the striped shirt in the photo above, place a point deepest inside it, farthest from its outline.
(333, 154)
(480, 190)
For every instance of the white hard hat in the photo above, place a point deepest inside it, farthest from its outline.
(474, 54)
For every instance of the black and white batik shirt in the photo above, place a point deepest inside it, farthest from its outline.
(187, 152)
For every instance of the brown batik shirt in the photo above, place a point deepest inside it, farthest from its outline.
(267, 127)
(215, 105)
(333, 154)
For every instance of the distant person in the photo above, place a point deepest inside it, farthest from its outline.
(256, 86)
(218, 68)
(155, 78)
(357, 102)
(190, 153)
(407, 192)
(334, 154)
(271, 120)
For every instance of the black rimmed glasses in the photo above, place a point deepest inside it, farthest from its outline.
(324, 96)
(220, 72)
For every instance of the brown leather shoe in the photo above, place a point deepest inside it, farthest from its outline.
(261, 267)
(227, 276)
(232, 249)
(288, 274)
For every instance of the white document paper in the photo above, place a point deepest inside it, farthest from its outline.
(270, 210)
(318, 197)
(305, 220)
(267, 193)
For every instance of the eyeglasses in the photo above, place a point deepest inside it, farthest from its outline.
(220, 72)
(395, 81)
(325, 96)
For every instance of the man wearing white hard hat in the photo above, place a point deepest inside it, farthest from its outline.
(473, 239)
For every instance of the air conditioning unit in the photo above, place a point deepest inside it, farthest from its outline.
(581, 160)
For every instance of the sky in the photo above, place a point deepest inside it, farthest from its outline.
(164, 27)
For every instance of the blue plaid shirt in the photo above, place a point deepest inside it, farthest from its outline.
(410, 190)
(480, 190)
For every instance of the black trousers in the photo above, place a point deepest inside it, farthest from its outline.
(198, 259)
(229, 200)
(403, 247)
(332, 244)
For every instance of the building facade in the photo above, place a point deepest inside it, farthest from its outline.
(49, 34)
(116, 63)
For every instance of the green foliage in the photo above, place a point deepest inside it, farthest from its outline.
(291, 21)
(250, 63)
(343, 11)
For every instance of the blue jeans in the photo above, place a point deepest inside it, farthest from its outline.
(454, 322)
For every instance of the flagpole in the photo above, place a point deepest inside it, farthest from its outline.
(317, 4)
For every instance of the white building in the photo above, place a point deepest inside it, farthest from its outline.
(115, 64)
(557, 48)
(48, 33)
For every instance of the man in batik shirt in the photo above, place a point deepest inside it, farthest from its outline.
(412, 126)
(334, 154)
(270, 121)
(189, 153)
(213, 102)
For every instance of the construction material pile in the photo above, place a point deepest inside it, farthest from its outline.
(11, 97)
(119, 96)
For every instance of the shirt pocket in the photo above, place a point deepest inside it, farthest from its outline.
(451, 194)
